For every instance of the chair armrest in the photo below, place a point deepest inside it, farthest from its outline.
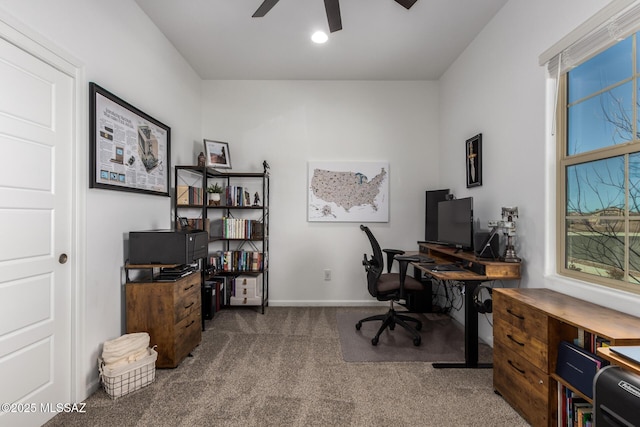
(393, 251)
(408, 258)
(391, 254)
(404, 264)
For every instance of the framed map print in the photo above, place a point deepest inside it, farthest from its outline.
(348, 192)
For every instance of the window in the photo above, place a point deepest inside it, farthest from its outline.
(599, 168)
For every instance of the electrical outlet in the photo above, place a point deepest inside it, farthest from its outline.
(327, 275)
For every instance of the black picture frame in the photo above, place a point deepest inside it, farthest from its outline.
(473, 161)
(118, 161)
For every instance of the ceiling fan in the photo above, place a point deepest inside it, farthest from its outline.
(331, 6)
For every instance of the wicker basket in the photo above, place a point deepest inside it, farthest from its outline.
(122, 380)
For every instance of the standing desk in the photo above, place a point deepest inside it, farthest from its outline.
(476, 271)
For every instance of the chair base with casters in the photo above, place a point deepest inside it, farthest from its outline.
(389, 320)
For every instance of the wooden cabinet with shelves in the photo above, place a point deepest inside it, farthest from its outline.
(529, 325)
(238, 225)
(169, 311)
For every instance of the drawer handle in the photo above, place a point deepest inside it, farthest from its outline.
(186, 289)
(516, 368)
(514, 314)
(189, 305)
(521, 344)
(192, 322)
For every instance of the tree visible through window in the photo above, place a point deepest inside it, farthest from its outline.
(599, 169)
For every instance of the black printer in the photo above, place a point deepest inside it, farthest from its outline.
(167, 246)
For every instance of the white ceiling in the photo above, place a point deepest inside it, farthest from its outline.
(380, 39)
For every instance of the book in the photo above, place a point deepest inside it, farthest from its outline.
(578, 367)
(182, 195)
(583, 414)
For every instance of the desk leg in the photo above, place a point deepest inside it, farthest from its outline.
(470, 333)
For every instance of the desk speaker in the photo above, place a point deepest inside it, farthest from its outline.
(484, 250)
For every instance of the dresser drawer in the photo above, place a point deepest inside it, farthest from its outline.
(522, 316)
(245, 301)
(522, 343)
(186, 296)
(522, 385)
(186, 286)
(248, 286)
(187, 303)
(187, 335)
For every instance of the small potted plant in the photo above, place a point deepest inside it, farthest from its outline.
(214, 191)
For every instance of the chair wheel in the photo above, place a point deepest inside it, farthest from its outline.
(392, 326)
(358, 326)
(374, 341)
(419, 327)
(416, 341)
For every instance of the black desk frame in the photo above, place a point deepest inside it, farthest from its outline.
(471, 278)
(470, 333)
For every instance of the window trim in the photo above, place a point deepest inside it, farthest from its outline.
(563, 161)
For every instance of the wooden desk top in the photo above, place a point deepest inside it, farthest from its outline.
(606, 353)
(620, 328)
(494, 270)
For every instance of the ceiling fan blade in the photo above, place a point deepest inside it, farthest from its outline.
(333, 15)
(406, 3)
(264, 8)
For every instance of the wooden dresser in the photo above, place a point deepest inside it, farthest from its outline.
(170, 312)
(528, 326)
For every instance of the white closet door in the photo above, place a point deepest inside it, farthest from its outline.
(36, 131)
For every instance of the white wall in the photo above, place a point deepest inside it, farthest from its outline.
(290, 123)
(497, 87)
(124, 52)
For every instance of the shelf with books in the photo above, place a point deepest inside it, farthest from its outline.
(573, 409)
(238, 261)
(238, 223)
(230, 228)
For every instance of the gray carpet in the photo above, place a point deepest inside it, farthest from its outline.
(285, 368)
(442, 340)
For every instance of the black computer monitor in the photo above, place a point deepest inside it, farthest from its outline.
(433, 197)
(455, 223)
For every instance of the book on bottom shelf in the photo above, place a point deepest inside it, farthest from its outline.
(574, 410)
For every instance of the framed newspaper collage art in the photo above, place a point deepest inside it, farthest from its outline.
(129, 150)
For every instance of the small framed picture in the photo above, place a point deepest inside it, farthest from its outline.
(217, 154)
(473, 149)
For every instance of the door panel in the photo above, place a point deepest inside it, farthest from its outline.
(36, 131)
(36, 159)
(30, 303)
(29, 230)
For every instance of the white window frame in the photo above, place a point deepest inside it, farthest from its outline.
(613, 23)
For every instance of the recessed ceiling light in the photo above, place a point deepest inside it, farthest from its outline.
(319, 37)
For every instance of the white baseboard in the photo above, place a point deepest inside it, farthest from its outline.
(324, 303)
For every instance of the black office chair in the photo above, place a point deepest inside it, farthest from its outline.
(390, 287)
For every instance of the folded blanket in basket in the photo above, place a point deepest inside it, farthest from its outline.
(129, 377)
(125, 349)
